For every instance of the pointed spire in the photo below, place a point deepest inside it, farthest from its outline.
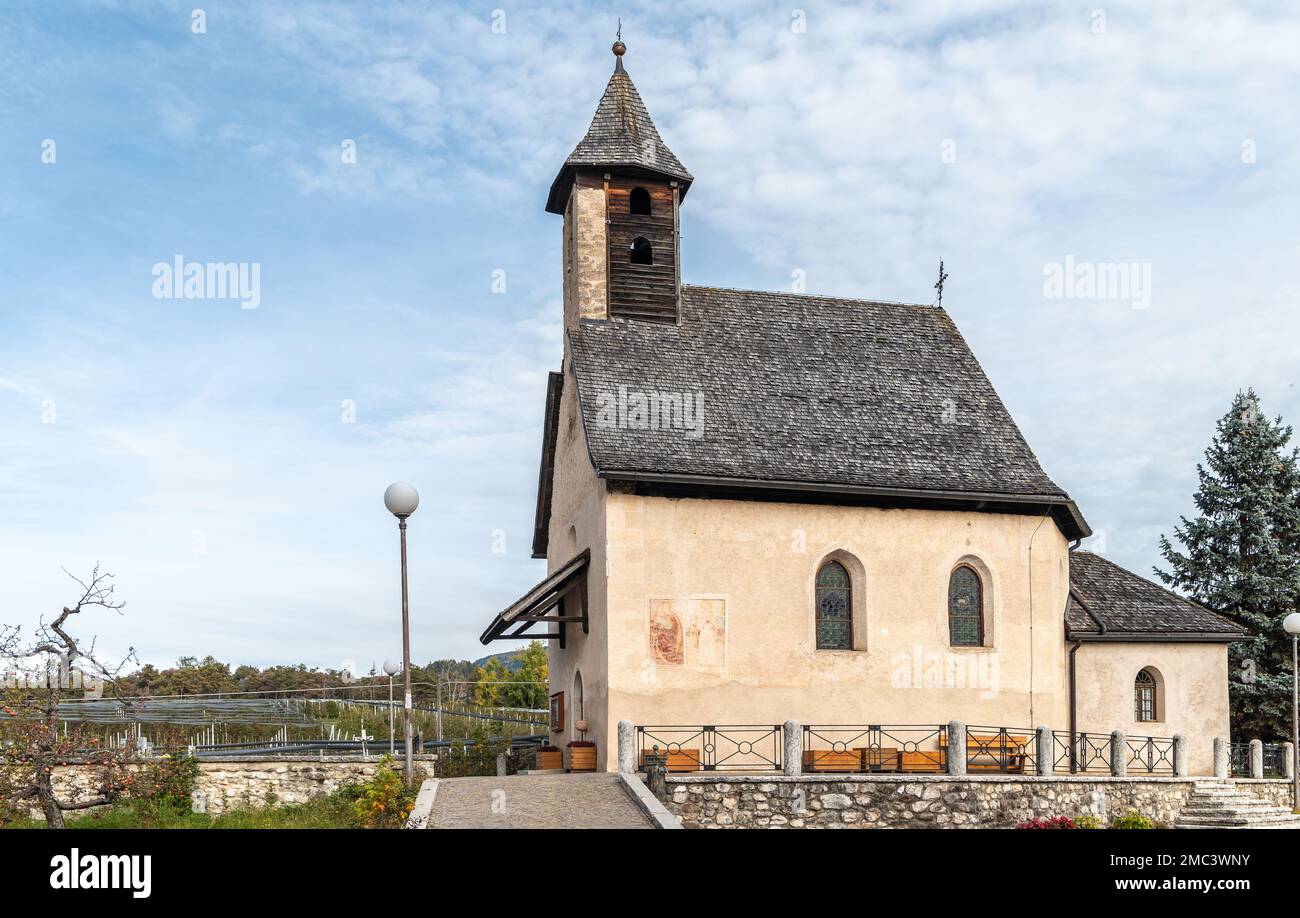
(619, 48)
(621, 136)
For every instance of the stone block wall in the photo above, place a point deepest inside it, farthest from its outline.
(253, 783)
(1275, 790)
(233, 783)
(881, 801)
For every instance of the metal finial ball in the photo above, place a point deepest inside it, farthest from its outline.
(619, 48)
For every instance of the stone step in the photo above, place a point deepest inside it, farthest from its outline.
(1248, 801)
(1238, 824)
(1274, 815)
(1277, 817)
(1223, 805)
(1227, 800)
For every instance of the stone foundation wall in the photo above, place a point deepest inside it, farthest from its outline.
(232, 783)
(235, 784)
(882, 801)
(1275, 790)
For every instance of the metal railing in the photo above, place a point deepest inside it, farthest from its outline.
(1274, 760)
(1080, 753)
(713, 748)
(887, 748)
(1003, 750)
(1153, 755)
(1239, 760)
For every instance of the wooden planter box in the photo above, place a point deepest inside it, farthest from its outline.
(582, 758)
(550, 759)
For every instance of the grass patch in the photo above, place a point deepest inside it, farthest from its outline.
(335, 811)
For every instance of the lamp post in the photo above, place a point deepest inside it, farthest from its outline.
(1291, 625)
(401, 500)
(391, 668)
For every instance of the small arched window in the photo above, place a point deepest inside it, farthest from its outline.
(1144, 697)
(834, 608)
(639, 203)
(640, 251)
(579, 698)
(965, 608)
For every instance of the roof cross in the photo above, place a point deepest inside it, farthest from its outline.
(939, 284)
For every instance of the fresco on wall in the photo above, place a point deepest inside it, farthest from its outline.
(688, 632)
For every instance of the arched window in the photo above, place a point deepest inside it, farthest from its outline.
(834, 608)
(579, 698)
(641, 252)
(1144, 696)
(639, 203)
(965, 608)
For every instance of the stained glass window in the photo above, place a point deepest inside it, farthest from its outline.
(1144, 696)
(965, 608)
(834, 609)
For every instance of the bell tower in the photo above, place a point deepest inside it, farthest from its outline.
(619, 192)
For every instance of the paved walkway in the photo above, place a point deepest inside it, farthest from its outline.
(572, 801)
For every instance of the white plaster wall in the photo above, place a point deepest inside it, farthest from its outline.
(1194, 680)
(578, 506)
(761, 559)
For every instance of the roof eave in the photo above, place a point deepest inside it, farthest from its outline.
(558, 197)
(1155, 637)
(1063, 510)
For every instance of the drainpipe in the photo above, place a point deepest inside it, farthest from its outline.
(1074, 724)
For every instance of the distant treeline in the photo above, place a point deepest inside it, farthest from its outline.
(194, 676)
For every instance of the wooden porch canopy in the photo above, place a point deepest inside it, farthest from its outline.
(552, 600)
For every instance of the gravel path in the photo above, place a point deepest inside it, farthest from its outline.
(573, 801)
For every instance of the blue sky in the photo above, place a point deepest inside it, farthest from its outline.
(199, 450)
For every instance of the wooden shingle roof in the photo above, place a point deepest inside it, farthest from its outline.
(1108, 602)
(622, 136)
(811, 393)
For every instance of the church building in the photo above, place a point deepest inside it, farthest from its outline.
(758, 506)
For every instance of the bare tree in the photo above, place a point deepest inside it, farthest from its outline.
(34, 743)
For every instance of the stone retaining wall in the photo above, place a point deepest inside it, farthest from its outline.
(920, 801)
(237, 782)
(254, 783)
(1275, 790)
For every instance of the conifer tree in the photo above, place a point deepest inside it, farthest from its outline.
(1240, 557)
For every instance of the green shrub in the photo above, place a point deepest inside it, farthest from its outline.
(168, 781)
(1132, 820)
(384, 801)
(1088, 822)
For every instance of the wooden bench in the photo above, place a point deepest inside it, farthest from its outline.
(678, 760)
(832, 760)
(930, 762)
(882, 758)
(859, 759)
(994, 752)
